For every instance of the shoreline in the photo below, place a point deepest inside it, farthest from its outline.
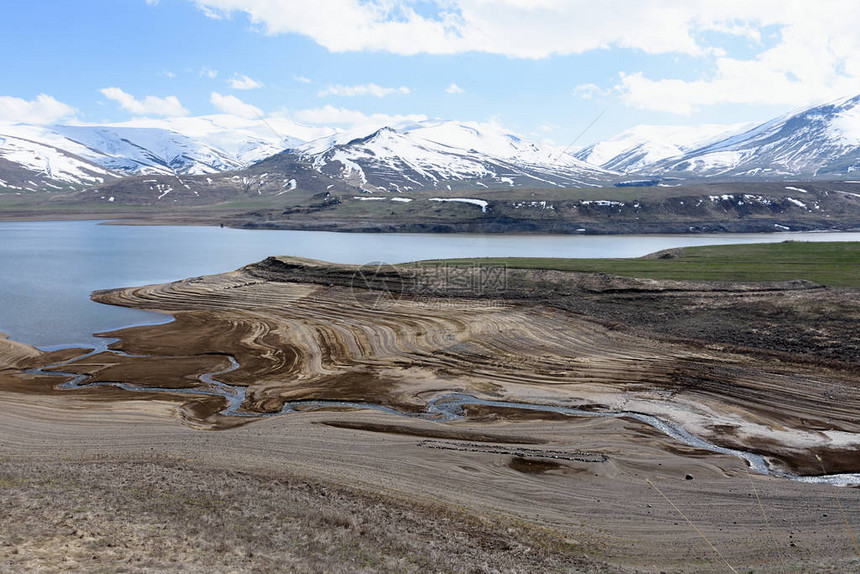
(694, 208)
(233, 220)
(131, 219)
(300, 275)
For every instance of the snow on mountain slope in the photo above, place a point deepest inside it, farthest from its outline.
(179, 146)
(818, 142)
(29, 161)
(634, 149)
(138, 150)
(245, 141)
(434, 154)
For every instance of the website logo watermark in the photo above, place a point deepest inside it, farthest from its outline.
(379, 285)
(376, 285)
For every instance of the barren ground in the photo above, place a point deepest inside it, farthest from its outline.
(103, 478)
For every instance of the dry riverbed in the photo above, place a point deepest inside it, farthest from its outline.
(184, 463)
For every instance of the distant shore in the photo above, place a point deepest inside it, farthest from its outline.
(719, 207)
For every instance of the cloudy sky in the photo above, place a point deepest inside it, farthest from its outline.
(543, 68)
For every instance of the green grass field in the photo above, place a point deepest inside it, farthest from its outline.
(830, 263)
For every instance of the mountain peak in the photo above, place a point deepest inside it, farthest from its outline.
(821, 140)
(433, 154)
(817, 141)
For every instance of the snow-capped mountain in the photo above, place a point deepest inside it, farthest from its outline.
(31, 160)
(634, 149)
(439, 154)
(61, 156)
(135, 150)
(244, 141)
(818, 142)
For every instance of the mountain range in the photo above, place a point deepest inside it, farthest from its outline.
(74, 156)
(638, 148)
(439, 154)
(818, 142)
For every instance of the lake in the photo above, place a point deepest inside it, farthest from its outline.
(49, 268)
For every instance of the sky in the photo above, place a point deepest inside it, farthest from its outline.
(564, 72)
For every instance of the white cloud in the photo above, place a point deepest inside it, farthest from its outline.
(815, 59)
(363, 90)
(588, 91)
(519, 28)
(42, 110)
(148, 106)
(243, 82)
(801, 51)
(454, 89)
(793, 73)
(331, 115)
(234, 106)
(207, 72)
(152, 2)
(302, 79)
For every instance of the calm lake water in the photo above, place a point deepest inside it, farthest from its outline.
(48, 269)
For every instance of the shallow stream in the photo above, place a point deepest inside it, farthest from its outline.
(443, 408)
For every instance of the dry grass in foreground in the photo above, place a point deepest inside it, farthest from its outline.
(161, 515)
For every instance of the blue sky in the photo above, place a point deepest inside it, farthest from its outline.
(543, 68)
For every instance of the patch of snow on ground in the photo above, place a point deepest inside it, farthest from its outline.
(401, 199)
(290, 185)
(479, 202)
(164, 189)
(796, 202)
(758, 199)
(359, 198)
(602, 203)
(788, 187)
(847, 193)
(540, 204)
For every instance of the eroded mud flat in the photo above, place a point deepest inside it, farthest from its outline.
(345, 374)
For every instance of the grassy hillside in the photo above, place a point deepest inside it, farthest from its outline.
(831, 263)
(297, 197)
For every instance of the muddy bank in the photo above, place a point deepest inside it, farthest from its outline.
(118, 485)
(301, 331)
(789, 321)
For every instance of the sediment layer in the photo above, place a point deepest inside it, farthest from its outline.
(322, 340)
(300, 331)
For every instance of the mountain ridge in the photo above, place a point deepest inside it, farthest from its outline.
(180, 146)
(821, 141)
(437, 154)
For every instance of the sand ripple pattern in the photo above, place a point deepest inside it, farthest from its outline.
(327, 345)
